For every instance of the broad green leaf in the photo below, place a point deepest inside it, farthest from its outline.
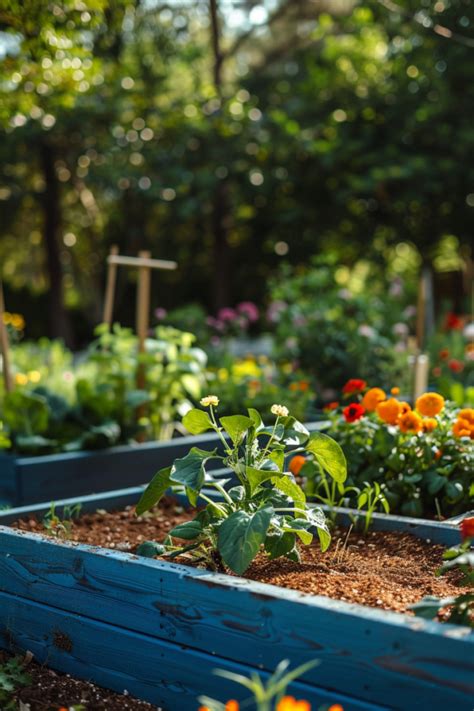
(197, 421)
(240, 537)
(299, 526)
(295, 432)
(278, 545)
(329, 455)
(258, 476)
(188, 530)
(189, 470)
(236, 426)
(278, 456)
(256, 418)
(318, 520)
(287, 486)
(154, 491)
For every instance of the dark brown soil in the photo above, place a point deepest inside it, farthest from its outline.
(389, 571)
(51, 691)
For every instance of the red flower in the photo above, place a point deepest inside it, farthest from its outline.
(331, 406)
(444, 353)
(467, 528)
(354, 385)
(353, 412)
(453, 322)
(455, 365)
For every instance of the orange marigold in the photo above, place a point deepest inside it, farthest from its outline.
(430, 404)
(372, 398)
(467, 414)
(405, 407)
(463, 428)
(395, 391)
(410, 422)
(429, 424)
(289, 703)
(297, 463)
(389, 410)
(336, 707)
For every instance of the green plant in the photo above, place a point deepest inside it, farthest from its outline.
(424, 470)
(265, 695)
(458, 610)
(61, 527)
(369, 499)
(12, 677)
(266, 510)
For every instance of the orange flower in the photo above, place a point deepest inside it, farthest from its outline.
(429, 424)
(331, 406)
(395, 391)
(410, 422)
(304, 386)
(289, 703)
(389, 411)
(463, 428)
(405, 407)
(438, 453)
(336, 707)
(372, 398)
(467, 414)
(297, 463)
(467, 528)
(232, 705)
(430, 404)
(293, 387)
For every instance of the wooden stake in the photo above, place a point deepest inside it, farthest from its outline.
(420, 385)
(5, 345)
(110, 287)
(143, 311)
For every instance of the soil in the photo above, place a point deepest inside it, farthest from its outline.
(386, 570)
(48, 690)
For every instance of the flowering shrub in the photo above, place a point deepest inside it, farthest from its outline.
(331, 330)
(422, 457)
(266, 511)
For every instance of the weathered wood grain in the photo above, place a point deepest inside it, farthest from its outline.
(380, 657)
(169, 675)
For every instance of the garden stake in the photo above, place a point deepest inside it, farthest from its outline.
(5, 346)
(110, 287)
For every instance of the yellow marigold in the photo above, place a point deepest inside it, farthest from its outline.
(372, 398)
(430, 404)
(463, 428)
(429, 424)
(467, 414)
(395, 391)
(389, 410)
(289, 703)
(21, 379)
(410, 422)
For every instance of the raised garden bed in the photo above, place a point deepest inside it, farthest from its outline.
(158, 629)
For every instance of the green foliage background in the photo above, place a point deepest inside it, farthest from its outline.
(309, 127)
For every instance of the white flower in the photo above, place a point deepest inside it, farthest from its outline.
(367, 331)
(209, 401)
(469, 331)
(279, 410)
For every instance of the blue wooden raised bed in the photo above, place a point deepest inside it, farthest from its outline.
(158, 629)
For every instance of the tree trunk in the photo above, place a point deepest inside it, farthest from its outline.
(220, 212)
(59, 324)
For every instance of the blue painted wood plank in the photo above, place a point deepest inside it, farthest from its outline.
(169, 675)
(370, 654)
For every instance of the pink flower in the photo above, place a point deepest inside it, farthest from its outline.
(275, 309)
(248, 309)
(226, 314)
(160, 313)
